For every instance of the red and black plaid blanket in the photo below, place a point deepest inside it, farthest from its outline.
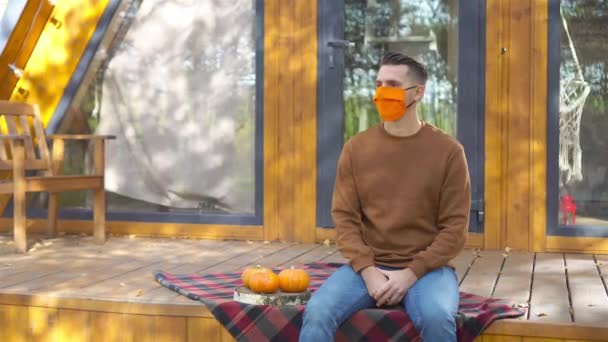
(282, 323)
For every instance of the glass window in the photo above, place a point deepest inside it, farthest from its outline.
(10, 11)
(175, 81)
(427, 30)
(583, 114)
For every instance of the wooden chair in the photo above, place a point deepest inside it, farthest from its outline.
(27, 144)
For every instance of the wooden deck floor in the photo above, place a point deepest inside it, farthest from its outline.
(566, 292)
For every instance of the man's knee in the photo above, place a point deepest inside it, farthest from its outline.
(436, 316)
(319, 311)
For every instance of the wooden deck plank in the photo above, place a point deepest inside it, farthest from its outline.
(238, 263)
(602, 264)
(160, 294)
(142, 284)
(118, 265)
(515, 280)
(463, 261)
(589, 299)
(482, 276)
(284, 257)
(335, 257)
(91, 273)
(156, 293)
(124, 284)
(314, 255)
(63, 252)
(549, 292)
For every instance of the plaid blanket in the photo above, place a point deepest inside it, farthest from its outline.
(282, 323)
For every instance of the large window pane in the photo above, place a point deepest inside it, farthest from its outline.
(427, 30)
(583, 114)
(176, 83)
(10, 11)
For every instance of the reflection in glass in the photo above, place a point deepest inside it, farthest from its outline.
(427, 30)
(10, 11)
(583, 114)
(175, 82)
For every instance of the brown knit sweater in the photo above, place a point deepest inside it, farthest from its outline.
(401, 201)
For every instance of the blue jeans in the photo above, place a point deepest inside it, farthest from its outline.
(431, 303)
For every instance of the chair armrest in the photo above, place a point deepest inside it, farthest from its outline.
(13, 137)
(81, 137)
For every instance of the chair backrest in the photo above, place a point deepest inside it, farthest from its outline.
(18, 118)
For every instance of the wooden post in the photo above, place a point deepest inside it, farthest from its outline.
(290, 120)
(99, 195)
(56, 162)
(19, 214)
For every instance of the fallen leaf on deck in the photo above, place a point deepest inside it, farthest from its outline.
(249, 241)
(123, 284)
(326, 242)
(266, 242)
(541, 314)
(132, 236)
(139, 293)
(598, 264)
(523, 305)
(507, 249)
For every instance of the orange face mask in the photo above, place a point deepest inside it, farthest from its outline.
(390, 102)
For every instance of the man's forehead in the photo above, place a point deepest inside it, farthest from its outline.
(393, 71)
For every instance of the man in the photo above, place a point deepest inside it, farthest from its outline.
(401, 209)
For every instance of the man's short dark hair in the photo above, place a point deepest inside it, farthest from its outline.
(417, 69)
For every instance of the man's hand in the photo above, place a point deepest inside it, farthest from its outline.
(393, 291)
(374, 280)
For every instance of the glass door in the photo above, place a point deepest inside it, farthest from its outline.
(446, 35)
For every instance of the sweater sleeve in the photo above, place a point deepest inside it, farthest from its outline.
(347, 216)
(452, 220)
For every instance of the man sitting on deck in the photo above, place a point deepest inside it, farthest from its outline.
(401, 208)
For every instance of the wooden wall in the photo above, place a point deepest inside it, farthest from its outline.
(290, 120)
(45, 319)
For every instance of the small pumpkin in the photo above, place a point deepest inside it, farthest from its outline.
(294, 280)
(248, 272)
(263, 280)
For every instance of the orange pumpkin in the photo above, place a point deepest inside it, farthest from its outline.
(293, 280)
(247, 274)
(263, 280)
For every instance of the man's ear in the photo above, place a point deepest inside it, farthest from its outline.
(420, 92)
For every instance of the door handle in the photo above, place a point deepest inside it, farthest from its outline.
(340, 44)
(337, 44)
